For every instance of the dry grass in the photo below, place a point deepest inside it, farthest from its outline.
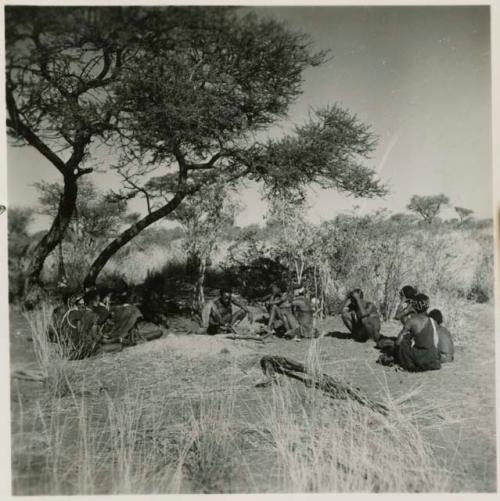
(343, 447)
(50, 356)
(139, 440)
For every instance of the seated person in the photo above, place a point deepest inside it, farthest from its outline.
(80, 328)
(275, 301)
(417, 345)
(406, 295)
(221, 317)
(303, 312)
(445, 342)
(360, 317)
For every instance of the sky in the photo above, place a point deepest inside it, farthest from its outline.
(420, 76)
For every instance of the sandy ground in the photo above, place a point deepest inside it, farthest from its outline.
(179, 367)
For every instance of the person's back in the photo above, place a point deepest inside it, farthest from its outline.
(304, 314)
(446, 347)
(418, 350)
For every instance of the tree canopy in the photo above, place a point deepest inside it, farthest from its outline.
(194, 111)
(428, 207)
(463, 213)
(185, 94)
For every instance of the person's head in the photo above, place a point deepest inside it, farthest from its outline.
(275, 288)
(91, 297)
(225, 296)
(298, 291)
(357, 292)
(408, 292)
(420, 303)
(437, 316)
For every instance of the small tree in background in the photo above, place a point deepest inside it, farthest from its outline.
(293, 236)
(204, 219)
(464, 214)
(428, 207)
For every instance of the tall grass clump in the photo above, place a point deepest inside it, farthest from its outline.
(84, 447)
(211, 448)
(49, 355)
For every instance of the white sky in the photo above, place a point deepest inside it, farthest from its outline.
(419, 75)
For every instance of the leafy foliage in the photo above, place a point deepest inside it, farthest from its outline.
(428, 207)
(203, 92)
(463, 213)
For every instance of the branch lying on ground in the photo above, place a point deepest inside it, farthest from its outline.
(281, 365)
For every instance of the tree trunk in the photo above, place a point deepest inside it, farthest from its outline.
(61, 270)
(199, 295)
(32, 291)
(113, 247)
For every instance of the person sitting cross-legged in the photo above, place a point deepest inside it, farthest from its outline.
(417, 345)
(360, 317)
(221, 317)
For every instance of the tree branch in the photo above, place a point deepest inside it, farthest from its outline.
(207, 165)
(16, 124)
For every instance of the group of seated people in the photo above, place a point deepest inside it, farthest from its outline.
(290, 314)
(98, 325)
(423, 344)
(94, 324)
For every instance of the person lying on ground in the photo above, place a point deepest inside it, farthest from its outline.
(445, 342)
(417, 345)
(122, 322)
(360, 317)
(406, 295)
(221, 316)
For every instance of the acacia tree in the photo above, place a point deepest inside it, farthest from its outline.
(464, 214)
(195, 119)
(428, 207)
(61, 67)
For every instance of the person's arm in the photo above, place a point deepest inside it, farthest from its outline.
(244, 308)
(276, 301)
(407, 330)
(363, 309)
(345, 304)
